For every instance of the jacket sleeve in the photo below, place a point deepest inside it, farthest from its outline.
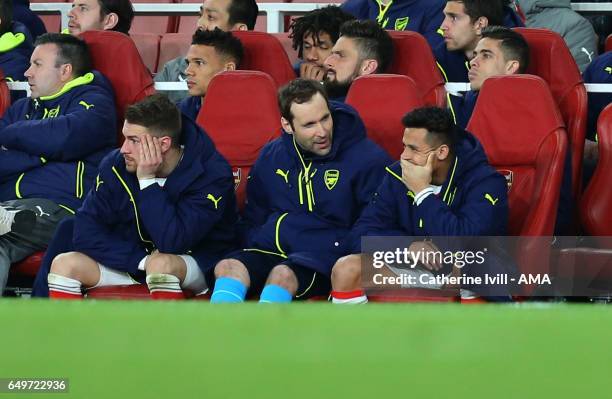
(484, 212)
(93, 228)
(370, 178)
(176, 227)
(380, 217)
(87, 125)
(13, 162)
(434, 20)
(256, 211)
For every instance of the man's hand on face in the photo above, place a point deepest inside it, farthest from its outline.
(417, 177)
(150, 157)
(312, 71)
(429, 260)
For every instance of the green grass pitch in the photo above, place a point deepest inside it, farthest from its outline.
(112, 349)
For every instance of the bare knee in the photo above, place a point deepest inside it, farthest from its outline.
(233, 268)
(283, 276)
(346, 273)
(159, 263)
(77, 266)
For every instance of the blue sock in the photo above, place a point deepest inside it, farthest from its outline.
(228, 290)
(274, 294)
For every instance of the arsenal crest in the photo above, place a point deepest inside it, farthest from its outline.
(401, 23)
(509, 175)
(331, 178)
(237, 172)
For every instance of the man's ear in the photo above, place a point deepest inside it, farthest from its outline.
(165, 143)
(481, 22)
(368, 67)
(66, 73)
(512, 67)
(229, 66)
(110, 21)
(443, 152)
(240, 26)
(286, 125)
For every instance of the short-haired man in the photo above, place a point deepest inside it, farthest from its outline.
(304, 193)
(211, 52)
(422, 16)
(462, 27)
(363, 48)
(15, 47)
(500, 51)
(313, 35)
(52, 143)
(88, 15)
(227, 15)
(442, 186)
(163, 207)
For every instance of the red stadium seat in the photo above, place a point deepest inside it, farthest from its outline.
(263, 52)
(551, 60)
(130, 78)
(5, 95)
(382, 101)
(287, 45)
(609, 43)
(596, 204)
(154, 24)
(52, 21)
(241, 115)
(172, 45)
(413, 57)
(148, 47)
(529, 149)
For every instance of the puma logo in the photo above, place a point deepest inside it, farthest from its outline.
(490, 199)
(285, 175)
(590, 55)
(609, 70)
(214, 200)
(87, 106)
(42, 213)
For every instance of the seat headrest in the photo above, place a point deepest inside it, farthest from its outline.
(511, 111)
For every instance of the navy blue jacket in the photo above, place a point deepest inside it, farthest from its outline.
(599, 71)
(194, 213)
(462, 107)
(51, 146)
(15, 51)
(190, 106)
(301, 206)
(422, 16)
(454, 65)
(23, 14)
(473, 202)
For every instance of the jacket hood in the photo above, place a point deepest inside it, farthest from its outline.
(348, 129)
(535, 6)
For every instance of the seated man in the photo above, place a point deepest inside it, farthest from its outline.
(163, 206)
(363, 48)
(87, 15)
(599, 71)
(422, 16)
(52, 143)
(304, 193)
(15, 48)
(500, 51)
(211, 52)
(452, 191)
(23, 14)
(314, 34)
(462, 27)
(226, 15)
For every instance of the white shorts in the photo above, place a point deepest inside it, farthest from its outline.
(194, 278)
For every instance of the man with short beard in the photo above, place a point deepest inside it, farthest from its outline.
(363, 48)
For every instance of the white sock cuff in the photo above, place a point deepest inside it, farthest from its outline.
(61, 283)
(163, 282)
(351, 301)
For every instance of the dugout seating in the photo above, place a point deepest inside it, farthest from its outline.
(551, 60)
(240, 132)
(596, 203)
(382, 100)
(148, 48)
(263, 52)
(609, 43)
(287, 43)
(130, 78)
(412, 56)
(5, 95)
(154, 24)
(529, 150)
(172, 45)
